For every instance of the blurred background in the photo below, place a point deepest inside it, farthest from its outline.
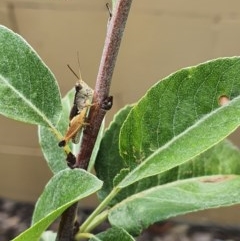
(160, 38)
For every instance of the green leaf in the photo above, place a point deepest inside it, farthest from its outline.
(109, 162)
(63, 190)
(180, 117)
(223, 158)
(28, 89)
(180, 197)
(48, 236)
(54, 155)
(114, 233)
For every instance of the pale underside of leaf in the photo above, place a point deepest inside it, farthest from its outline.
(169, 200)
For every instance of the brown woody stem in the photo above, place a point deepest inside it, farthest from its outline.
(113, 39)
(102, 102)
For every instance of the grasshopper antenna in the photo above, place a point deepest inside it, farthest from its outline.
(79, 69)
(72, 71)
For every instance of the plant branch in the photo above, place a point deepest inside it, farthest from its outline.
(102, 102)
(66, 230)
(101, 99)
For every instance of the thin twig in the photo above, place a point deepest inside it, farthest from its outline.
(102, 102)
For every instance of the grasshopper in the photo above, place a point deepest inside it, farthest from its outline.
(82, 101)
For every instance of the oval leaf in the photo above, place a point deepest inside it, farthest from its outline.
(181, 197)
(64, 189)
(28, 89)
(181, 117)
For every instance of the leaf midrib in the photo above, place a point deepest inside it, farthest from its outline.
(125, 181)
(28, 102)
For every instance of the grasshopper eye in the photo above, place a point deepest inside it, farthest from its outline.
(78, 87)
